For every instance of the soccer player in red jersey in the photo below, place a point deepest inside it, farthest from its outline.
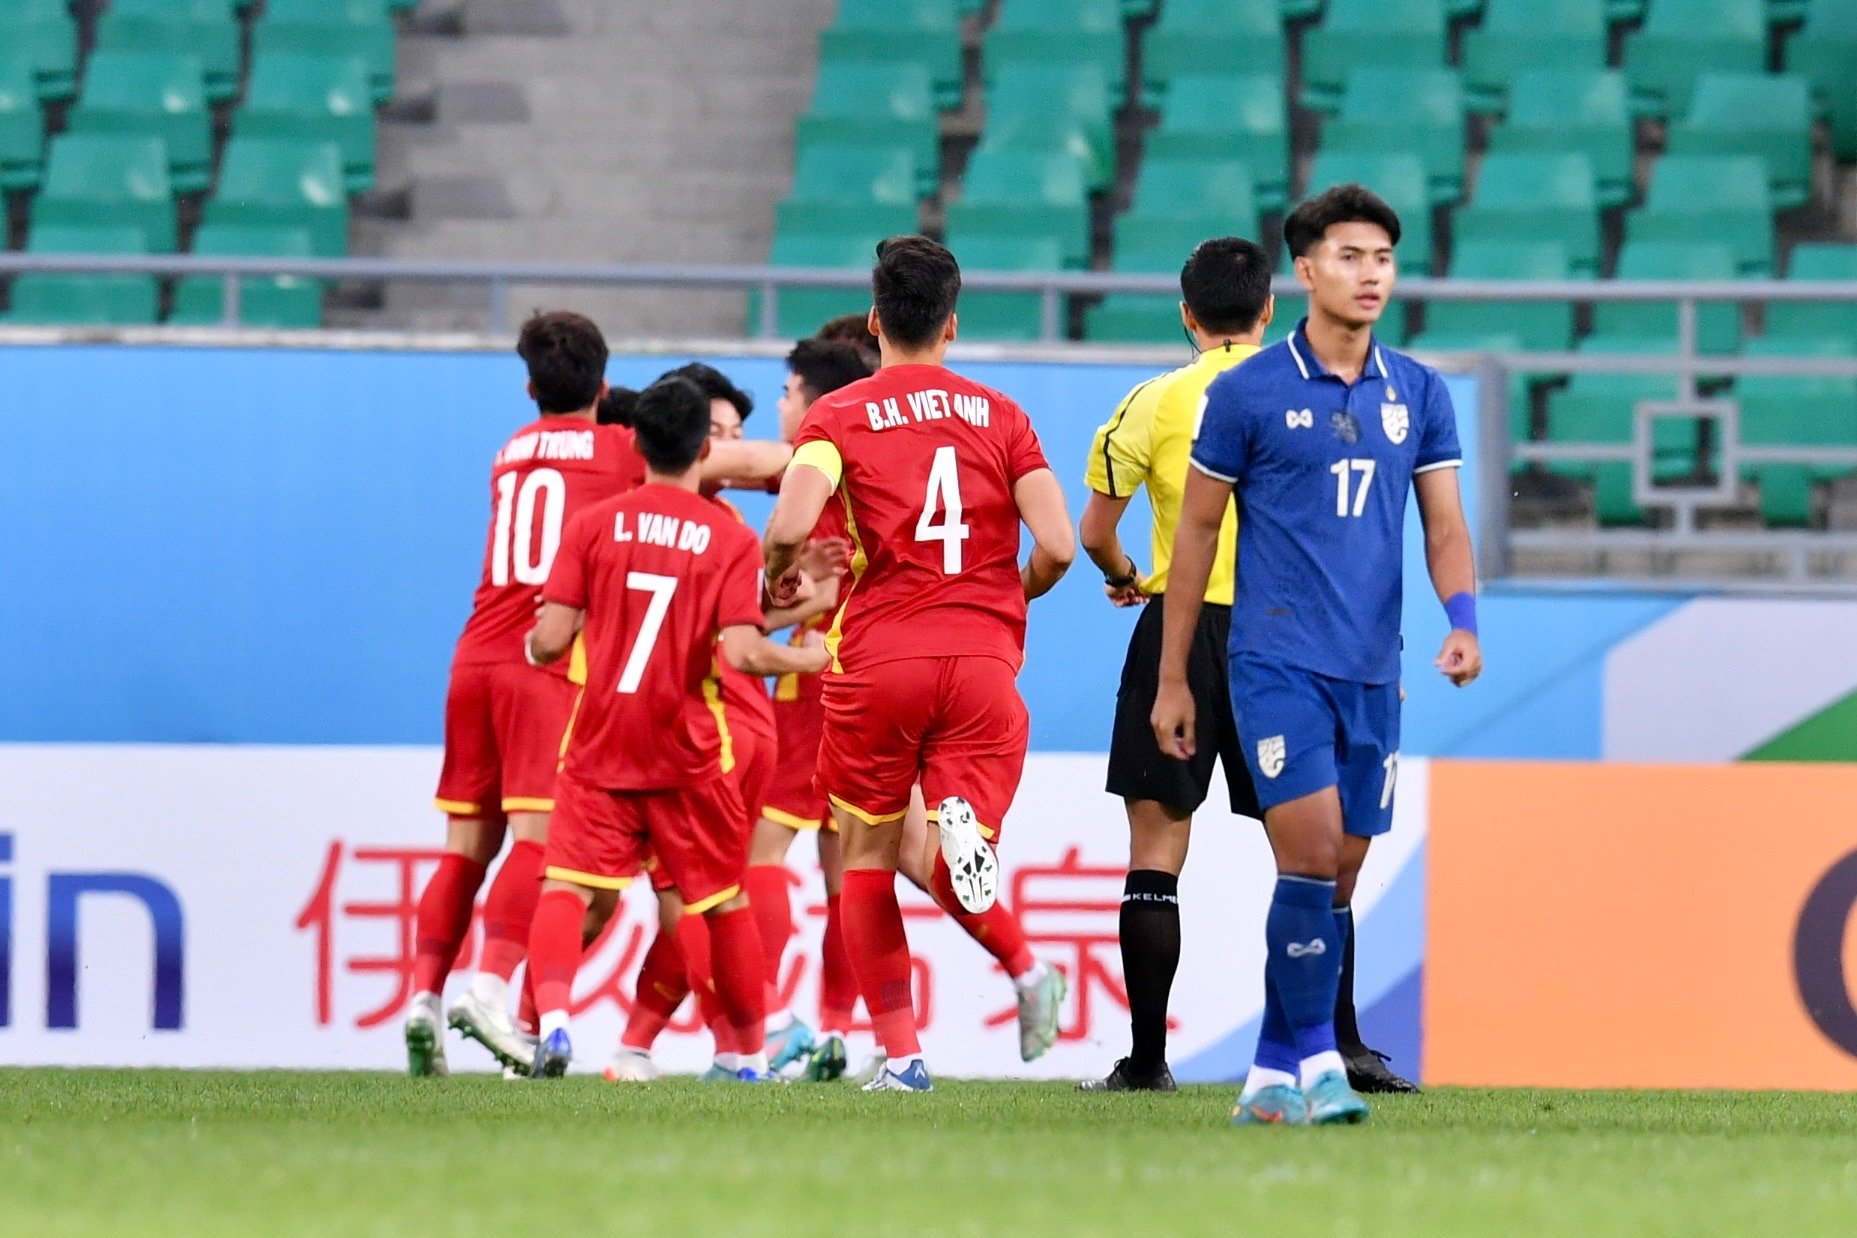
(935, 474)
(658, 576)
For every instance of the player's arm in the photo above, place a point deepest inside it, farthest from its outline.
(1196, 545)
(804, 492)
(817, 597)
(747, 650)
(1120, 456)
(1122, 580)
(745, 462)
(1054, 545)
(553, 635)
(1453, 568)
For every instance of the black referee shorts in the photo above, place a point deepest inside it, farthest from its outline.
(1138, 769)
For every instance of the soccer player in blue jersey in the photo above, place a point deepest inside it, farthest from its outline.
(1319, 438)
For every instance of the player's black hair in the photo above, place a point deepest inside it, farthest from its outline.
(1304, 227)
(616, 406)
(852, 329)
(715, 385)
(914, 286)
(1226, 283)
(825, 367)
(671, 421)
(566, 356)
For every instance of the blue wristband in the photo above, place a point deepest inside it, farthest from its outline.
(1461, 610)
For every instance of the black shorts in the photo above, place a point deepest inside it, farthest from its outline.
(1138, 770)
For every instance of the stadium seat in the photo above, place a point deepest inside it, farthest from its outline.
(162, 93)
(886, 31)
(1202, 38)
(1400, 179)
(91, 300)
(45, 36)
(1755, 114)
(1683, 39)
(1060, 32)
(1241, 117)
(98, 179)
(1358, 34)
(824, 216)
(1584, 111)
(799, 311)
(285, 302)
(273, 182)
(1517, 36)
(1718, 324)
(315, 99)
(1786, 411)
(1197, 188)
(22, 126)
(1602, 408)
(1536, 196)
(200, 28)
(1043, 107)
(855, 175)
(1156, 246)
(1025, 194)
(1719, 196)
(873, 103)
(1538, 326)
(1816, 319)
(1823, 51)
(1005, 317)
(1415, 109)
(356, 28)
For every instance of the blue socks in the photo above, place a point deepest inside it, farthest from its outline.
(1302, 972)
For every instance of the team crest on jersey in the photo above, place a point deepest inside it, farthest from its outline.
(1270, 754)
(1346, 428)
(1395, 420)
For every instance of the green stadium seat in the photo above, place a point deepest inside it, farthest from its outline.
(1240, 117)
(1399, 178)
(1683, 39)
(1203, 38)
(1358, 34)
(356, 28)
(1719, 196)
(1059, 32)
(314, 98)
(1415, 109)
(1769, 117)
(98, 179)
(1823, 51)
(284, 302)
(886, 31)
(1625, 12)
(1004, 317)
(824, 216)
(1537, 326)
(22, 126)
(1601, 408)
(856, 176)
(1197, 188)
(800, 311)
(1516, 36)
(1718, 324)
(200, 28)
(45, 36)
(1817, 319)
(1293, 307)
(873, 103)
(273, 182)
(88, 300)
(1536, 196)
(162, 93)
(1582, 111)
(1044, 107)
(1025, 194)
(1787, 411)
(1158, 246)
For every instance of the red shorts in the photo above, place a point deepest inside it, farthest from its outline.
(601, 839)
(956, 725)
(503, 727)
(754, 768)
(793, 797)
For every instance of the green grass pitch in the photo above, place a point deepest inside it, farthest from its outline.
(141, 1152)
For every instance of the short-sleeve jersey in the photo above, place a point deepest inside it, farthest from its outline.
(546, 474)
(924, 462)
(744, 695)
(1321, 471)
(802, 687)
(1147, 442)
(659, 572)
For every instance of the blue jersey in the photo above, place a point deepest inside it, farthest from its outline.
(1321, 471)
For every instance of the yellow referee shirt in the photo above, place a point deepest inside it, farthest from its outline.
(1148, 442)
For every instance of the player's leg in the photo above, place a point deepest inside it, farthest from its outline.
(878, 947)
(838, 984)
(563, 914)
(769, 887)
(662, 985)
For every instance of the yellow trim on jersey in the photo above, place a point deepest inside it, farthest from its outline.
(868, 818)
(458, 808)
(1149, 442)
(788, 819)
(986, 831)
(787, 688)
(593, 881)
(859, 561)
(577, 660)
(526, 804)
(823, 456)
(573, 716)
(714, 900)
(712, 697)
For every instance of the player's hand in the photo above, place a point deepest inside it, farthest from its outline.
(814, 647)
(1174, 719)
(1461, 659)
(824, 558)
(1128, 595)
(785, 592)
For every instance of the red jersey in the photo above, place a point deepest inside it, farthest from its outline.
(546, 474)
(807, 687)
(660, 572)
(744, 695)
(928, 461)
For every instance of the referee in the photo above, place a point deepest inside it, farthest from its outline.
(1226, 305)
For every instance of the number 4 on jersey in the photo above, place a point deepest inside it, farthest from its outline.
(944, 495)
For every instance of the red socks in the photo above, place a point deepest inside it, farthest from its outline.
(838, 984)
(662, 986)
(443, 919)
(770, 895)
(879, 950)
(693, 942)
(509, 909)
(735, 940)
(997, 931)
(554, 948)
(526, 1018)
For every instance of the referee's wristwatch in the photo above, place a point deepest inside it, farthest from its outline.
(1123, 582)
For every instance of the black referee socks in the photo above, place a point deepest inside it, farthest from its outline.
(1150, 932)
